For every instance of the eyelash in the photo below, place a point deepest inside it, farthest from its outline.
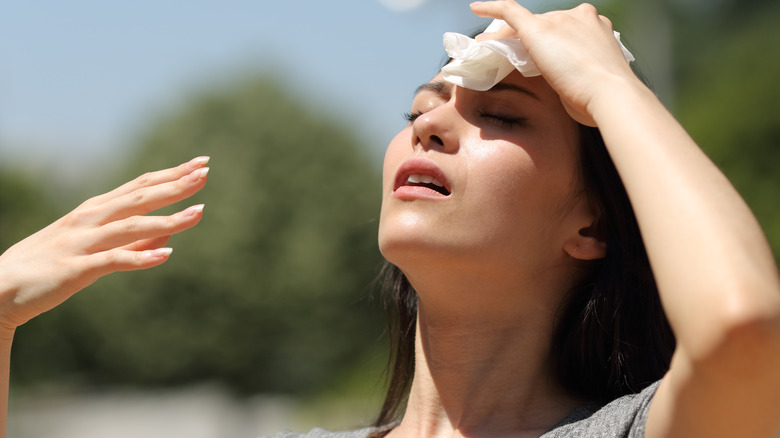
(503, 121)
(500, 121)
(411, 117)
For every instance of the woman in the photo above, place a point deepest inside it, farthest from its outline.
(492, 218)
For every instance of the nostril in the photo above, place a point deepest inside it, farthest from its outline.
(437, 140)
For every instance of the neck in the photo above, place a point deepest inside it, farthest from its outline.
(483, 368)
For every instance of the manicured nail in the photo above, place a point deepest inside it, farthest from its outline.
(159, 253)
(199, 161)
(192, 211)
(199, 174)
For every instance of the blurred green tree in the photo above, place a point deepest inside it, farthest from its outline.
(270, 292)
(721, 84)
(729, 100)
(25, 206)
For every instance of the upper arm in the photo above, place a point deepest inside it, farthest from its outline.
(733, 392)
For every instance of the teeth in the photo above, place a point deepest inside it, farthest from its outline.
(423, 179)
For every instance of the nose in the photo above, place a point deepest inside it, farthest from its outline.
(435, 129)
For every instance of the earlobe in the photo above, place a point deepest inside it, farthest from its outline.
(586, 245)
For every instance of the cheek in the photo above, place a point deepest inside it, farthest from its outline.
(394, 155)
(513, 193)
(499, 178)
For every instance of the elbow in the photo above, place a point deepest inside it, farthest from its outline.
(755, 334)
(746, 337)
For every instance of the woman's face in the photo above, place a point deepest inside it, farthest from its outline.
(481, 178)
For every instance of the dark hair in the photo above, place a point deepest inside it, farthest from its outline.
(611, 338)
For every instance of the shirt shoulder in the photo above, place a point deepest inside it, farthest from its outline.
(322, 433)
(624, 417)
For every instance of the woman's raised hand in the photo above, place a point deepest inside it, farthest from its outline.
(575, 50)
(105, 234)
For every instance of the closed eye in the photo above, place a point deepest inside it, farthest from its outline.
(503, 121)
(411, 117)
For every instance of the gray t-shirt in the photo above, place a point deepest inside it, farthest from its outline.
(624, 417)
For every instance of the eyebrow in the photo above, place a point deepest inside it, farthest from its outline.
(502, 86)
(444, 88)
(441, 88)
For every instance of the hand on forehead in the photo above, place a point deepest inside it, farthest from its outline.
(481, 64)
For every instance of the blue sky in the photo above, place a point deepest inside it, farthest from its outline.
(79, 79)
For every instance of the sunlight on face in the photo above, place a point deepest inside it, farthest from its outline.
(480, 178)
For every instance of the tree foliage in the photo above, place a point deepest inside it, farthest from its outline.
(23, 206)
(725, 68)
(729, 101)
(270, 292)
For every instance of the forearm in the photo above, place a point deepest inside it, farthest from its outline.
(711, 260)
(6, 337)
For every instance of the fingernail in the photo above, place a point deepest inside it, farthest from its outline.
(159, 253)
(199, 174)
(475, 4)
(200, 161)
(192, 211)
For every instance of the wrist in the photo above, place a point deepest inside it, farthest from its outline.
(621, 96)
(6, 333)
(7, 292)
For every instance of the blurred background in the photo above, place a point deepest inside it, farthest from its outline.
(266, 316)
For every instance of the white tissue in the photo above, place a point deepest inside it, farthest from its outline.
(480, 65)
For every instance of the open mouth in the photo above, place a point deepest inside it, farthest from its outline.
(427, 181)
(421, 178)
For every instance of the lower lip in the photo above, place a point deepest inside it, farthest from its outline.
(417, 192)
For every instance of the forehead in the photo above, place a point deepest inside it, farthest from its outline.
(536, 87)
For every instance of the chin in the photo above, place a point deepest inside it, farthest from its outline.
(407, 249)
(413, 235)
(399, 248)
(413, 250)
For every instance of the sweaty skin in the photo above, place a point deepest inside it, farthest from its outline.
(716, 275)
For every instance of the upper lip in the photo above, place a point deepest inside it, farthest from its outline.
(420, 166)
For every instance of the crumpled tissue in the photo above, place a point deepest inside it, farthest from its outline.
(480, 65)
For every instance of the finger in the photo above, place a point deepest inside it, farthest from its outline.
(520, 21)
(146, 244)
(507, 10)
(503, 32)
(606, 22)
(124, 233)
(147, 199)
(151, 179)
(106, 262)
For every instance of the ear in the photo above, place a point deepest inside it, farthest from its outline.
(588, 244)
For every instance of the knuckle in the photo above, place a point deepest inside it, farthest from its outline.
(182, 168)
(89, 203)
(77, 217)
(138, 258)
(139, 197)
(172, 222)
(587, 8)
(143, 180)
(131, 224)
(110, 258)
(119, 260)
